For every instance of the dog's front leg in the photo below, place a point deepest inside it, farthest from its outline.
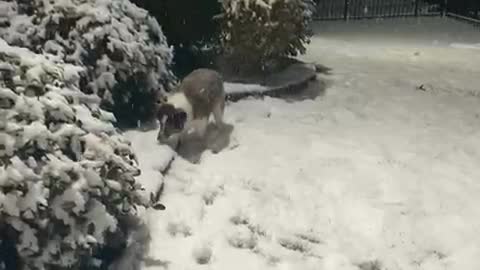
(201, 126)
(197, 127)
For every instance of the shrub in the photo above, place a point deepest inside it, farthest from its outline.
(124, 51)
(66, 175)
(255, 33)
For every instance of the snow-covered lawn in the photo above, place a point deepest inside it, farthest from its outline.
(373, 170)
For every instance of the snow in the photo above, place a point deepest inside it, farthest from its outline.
(152, 161)
(244, 88)
(466, 46)
(372, 172)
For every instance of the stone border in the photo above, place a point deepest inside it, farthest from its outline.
(292, 79)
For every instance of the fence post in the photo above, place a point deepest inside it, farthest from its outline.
(416, 8)
(445, 8)
(346, 8)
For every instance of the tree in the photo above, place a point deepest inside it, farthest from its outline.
(257, 32)
(67, 177)
(125, 53)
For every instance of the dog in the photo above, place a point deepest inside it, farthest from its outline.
(187, 111)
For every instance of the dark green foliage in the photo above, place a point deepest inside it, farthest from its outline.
(254, 35)
(188, 25)
(139, 103)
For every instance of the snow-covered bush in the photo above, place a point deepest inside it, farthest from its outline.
(255, 32)
(123, 48)
(66, 175)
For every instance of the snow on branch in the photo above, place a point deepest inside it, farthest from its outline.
(122, 47)
(66, 174)
(256, 32)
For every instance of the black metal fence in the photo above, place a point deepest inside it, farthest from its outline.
(467, 10)
(360, 9)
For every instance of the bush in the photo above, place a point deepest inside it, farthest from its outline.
(123, 48)
(255, 33)
(66, 175)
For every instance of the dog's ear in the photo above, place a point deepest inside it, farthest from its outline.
(180, 118)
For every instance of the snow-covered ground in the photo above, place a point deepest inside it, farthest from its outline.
(373, 170)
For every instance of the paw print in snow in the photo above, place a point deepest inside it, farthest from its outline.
(202, 254)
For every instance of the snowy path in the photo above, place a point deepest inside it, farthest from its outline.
(374, 170)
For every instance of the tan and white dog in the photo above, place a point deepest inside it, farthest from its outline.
(188, 109)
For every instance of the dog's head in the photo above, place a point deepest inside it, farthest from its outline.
(172, 120)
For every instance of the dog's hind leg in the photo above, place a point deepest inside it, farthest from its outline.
(218, 111)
